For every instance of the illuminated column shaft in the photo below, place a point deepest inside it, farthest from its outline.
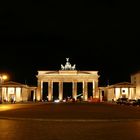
(129, 93)
(1, 94)
(41, 94)
(50, 91)
(100, 95)
(39, 91)
(34, 95)
(60, 91)
(120, 92)
(15, 97)
(114, 93)
(21, 94)
(74, 92)
(96, 90)
(85, 92)
(93, 89)
(6, 94)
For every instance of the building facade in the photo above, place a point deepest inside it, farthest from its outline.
(16, 92)
(120, 90)
(135, 80)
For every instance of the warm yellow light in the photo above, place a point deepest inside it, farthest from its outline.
(4, 77)
(5, 107)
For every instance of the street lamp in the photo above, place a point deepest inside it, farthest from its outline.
(2, 78)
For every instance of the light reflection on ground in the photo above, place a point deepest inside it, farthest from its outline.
(5, 107)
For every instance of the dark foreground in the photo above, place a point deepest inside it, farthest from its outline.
(83, 121)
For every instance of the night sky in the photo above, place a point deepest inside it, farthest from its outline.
(97, 35)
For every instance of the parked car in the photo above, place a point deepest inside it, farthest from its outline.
(137, 102)
(131, 102)
(122, 101)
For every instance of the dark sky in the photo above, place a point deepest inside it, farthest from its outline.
(95, 35)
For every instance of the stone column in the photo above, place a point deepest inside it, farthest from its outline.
(21, 95)
(100, 95)
(74, 90)
(34, 95)
(114, 93)
(39, 91)
(129, 93)
(85, 92)
(15, 94)
(7, 94)
(96, 90)
(41, 95)
(60, 91)
(120, 92)
(93, 89)
(1, 94)
(50, 91)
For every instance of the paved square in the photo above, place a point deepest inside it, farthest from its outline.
(69, 121)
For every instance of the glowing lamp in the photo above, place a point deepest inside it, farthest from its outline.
(4, 77)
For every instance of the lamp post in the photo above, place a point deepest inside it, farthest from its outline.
(2, 78)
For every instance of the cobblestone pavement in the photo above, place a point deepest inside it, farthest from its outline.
(83, 121)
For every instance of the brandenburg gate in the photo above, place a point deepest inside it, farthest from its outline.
(68, 73)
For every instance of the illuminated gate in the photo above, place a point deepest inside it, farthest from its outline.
(68, 74)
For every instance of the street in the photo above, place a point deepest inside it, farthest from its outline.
(72, 121)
